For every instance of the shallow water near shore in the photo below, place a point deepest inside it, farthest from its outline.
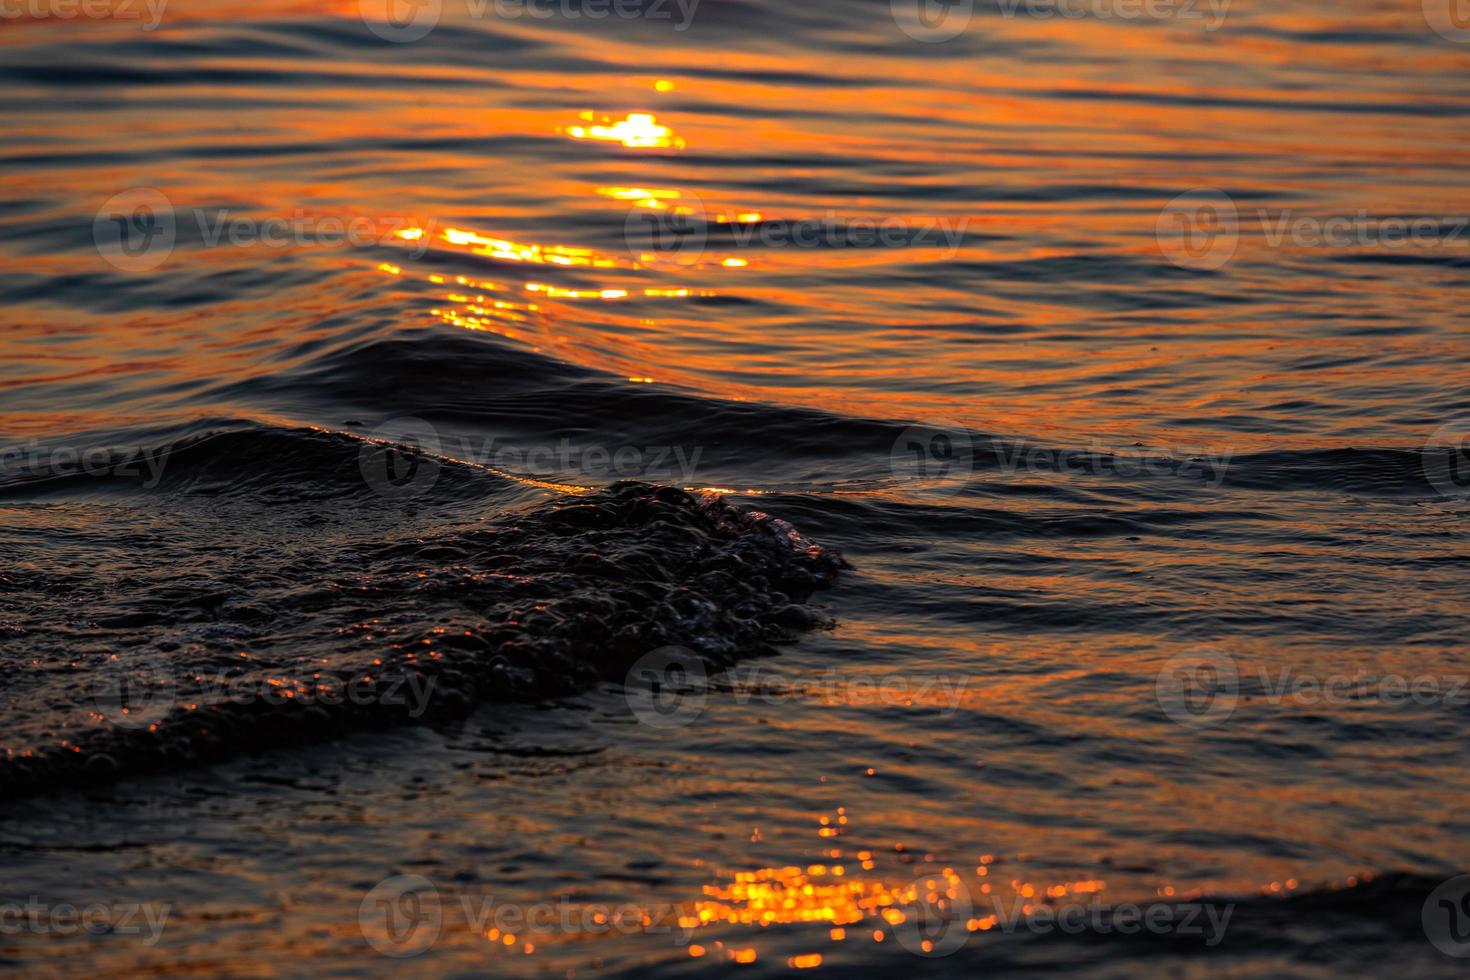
(1020, 539)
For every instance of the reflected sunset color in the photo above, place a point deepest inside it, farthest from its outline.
(1026, 167)
(1029, 459)
(639, 131)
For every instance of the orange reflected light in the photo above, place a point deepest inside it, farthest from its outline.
(500, 248)
(787, 895)
(556, 292)
(643, 197)
(640, 130)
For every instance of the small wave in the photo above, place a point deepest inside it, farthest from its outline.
(280, 628)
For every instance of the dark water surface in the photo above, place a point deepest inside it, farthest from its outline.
(371, 404)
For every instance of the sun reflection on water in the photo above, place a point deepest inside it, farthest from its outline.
(500, 248)
(655, 198)
(640, 130)
(845, 895)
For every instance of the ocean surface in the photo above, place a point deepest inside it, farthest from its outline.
(557, 489)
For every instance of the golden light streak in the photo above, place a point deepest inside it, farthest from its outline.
(640, 130)
(556, 292)
(640, 194)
